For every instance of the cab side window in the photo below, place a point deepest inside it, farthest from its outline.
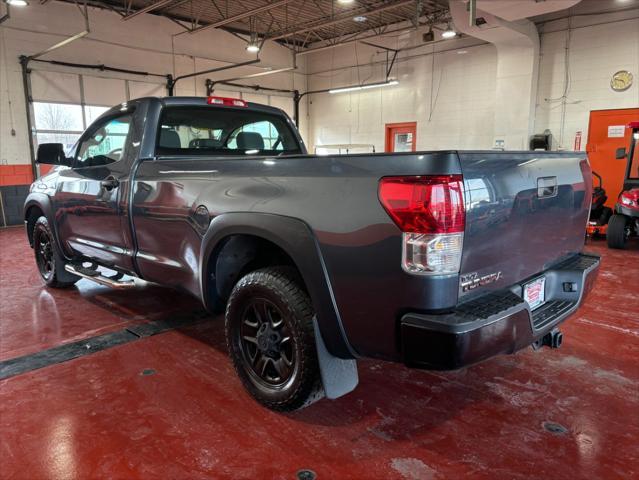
(105, 145)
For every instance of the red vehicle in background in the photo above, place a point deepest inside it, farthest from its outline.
(599, 213)
(624, 224)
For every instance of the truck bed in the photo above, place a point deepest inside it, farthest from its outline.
(510, 231)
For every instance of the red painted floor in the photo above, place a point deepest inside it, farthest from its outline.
(35, 318)
(100, 417)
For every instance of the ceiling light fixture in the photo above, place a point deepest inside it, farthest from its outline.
(253, 45)
(360, 19)
(387, 83)
(345, 2)
(17, 3)
(449, 32)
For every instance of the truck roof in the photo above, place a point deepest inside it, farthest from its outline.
(203, 101)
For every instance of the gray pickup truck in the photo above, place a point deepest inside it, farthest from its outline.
(436, 259)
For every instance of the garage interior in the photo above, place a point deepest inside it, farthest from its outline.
(100, 383)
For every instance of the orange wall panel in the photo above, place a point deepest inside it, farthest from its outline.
(15, 175)
(602, 145)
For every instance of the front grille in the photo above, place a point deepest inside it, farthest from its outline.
(549, 312)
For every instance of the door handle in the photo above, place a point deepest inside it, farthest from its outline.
(547, 187)
(110, 183)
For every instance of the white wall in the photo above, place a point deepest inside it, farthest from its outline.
(451, 95)
(595, 53)
(145, 43)
(462, 86)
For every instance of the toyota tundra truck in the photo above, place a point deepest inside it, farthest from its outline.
(437, 259)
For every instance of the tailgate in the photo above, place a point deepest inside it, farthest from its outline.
(524, 212)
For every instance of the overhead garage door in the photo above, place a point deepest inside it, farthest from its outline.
(104, 91)
(145, 89)
(55, 87)
(255, 98)
(65, 104)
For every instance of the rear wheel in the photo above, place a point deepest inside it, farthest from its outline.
(269, 333)
(618, 231)
(49, 261)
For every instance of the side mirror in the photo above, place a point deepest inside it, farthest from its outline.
(52, 154)
(620, 153)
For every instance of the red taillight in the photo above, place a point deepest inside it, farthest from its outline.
(426, 204)
(228, 102)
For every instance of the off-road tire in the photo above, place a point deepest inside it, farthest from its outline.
(279, 289)
(49, 261)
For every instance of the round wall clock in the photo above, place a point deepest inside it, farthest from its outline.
(621, 80)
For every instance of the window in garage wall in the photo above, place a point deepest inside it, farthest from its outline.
(63, 122)
(58, 123)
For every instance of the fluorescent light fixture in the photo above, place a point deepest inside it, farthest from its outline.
(17, 3)
(388, 83)
(449, 32)
(360, 19)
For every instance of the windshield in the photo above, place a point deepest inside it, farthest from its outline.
(214, 130)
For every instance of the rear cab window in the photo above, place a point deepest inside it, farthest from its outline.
(210, 130)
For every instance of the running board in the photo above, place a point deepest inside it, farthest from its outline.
(97, 277)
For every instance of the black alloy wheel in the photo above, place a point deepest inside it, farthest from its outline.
(266, 343)
(45, 260)
(271, 339)
(49, 261)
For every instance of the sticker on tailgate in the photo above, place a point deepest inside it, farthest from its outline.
(535, 293)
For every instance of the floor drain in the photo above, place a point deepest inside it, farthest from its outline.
(148, 371)
(306, 475)
(555, 428)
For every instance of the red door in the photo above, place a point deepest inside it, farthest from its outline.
(606, 133)
(401, 137)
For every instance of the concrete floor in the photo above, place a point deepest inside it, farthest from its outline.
(170, 405)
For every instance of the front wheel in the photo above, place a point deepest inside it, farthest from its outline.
(49, 261)
(269, 333)
(618, 231)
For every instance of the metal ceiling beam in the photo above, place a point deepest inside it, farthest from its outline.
(241, 16)
(148, 8)
(342, 18)
(431, 18)
(7, 14)
(85, 13)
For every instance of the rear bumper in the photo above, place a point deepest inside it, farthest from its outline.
(496, 323)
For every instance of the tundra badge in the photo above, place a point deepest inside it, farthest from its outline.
(470, 281)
